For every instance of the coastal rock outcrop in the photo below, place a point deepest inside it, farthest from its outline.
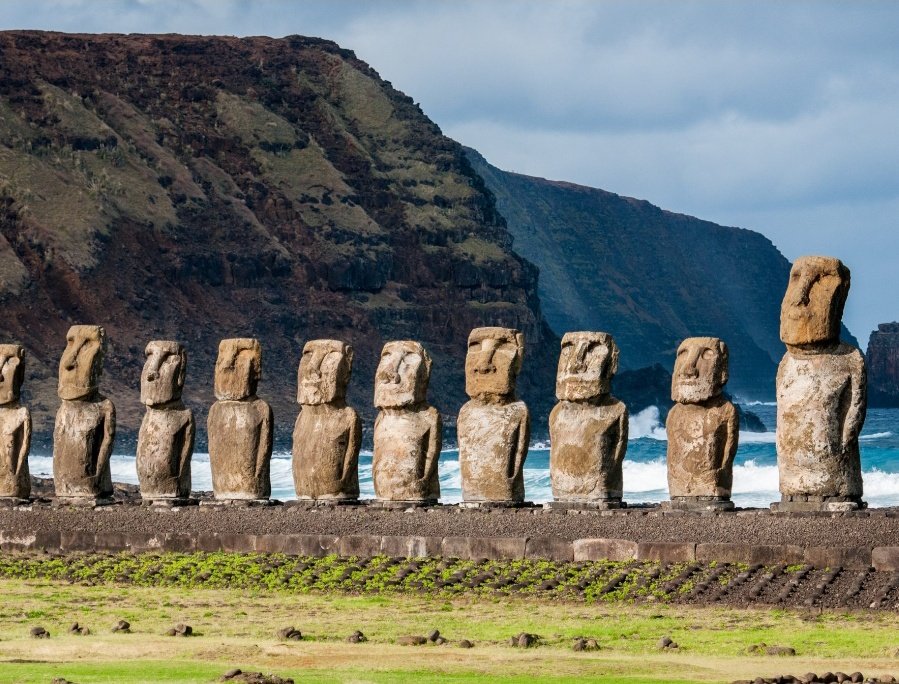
(882, 359)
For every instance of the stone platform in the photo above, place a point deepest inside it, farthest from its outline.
(856, 539)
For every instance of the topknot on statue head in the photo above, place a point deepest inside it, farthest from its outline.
(82, 362)
(238, 369)
(12, 372)
(403, 374)
(812, 307)
(162, 378)
(324, 372)
(493, 362)
(700, 370)
(587, 363)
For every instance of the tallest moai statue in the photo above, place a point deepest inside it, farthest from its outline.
(821, 393)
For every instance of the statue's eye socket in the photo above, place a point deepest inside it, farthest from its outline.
(708, 354)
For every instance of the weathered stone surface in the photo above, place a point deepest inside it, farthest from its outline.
(588, 427)
(328, 433)
(408, 432)
(703, 427)
(15, 425)
(821, 391)
(604, 549)
(493, 427)
(85, 422)
(166, 439)
(239, 424)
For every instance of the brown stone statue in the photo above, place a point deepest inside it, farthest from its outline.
(494, 426)
(15, 425)
(240, 425)
(703, 428)
(588, 427)
(166, 439)
(85, 423)
(408, 432)
(328, 433)
(821, 393)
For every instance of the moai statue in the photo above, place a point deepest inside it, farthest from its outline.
(821, 393)
(408, 432)
(240, 425)
(493, 427)
(703, 428)
(166, 439)
(85, 423)
(328, 433)
(15, 425)
(588, 427)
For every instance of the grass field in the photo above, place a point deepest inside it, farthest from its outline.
(236, 627)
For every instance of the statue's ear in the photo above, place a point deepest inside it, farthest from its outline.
(182, 372)
(616, 352)
(519, 358)
(348, 355)
(426, 358)
(724, 356)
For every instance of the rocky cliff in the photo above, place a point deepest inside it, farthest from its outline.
(648, 276)
(198, 188)
(883, 366)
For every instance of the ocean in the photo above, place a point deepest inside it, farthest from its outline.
(645, 477)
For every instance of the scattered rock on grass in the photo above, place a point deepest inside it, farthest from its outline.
(585, 644)
(465, 643)
(524, 640)
(122, 626)
(79, 629)
(356, 637)
(411, 640)
(290, 634)
(667, 642)
(40, 633)
(433, 636)
(237, 675)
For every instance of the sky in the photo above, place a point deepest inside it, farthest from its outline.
(780, 117)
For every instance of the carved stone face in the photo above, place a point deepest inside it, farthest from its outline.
(493, 361)
(587, 364)
(812, 307)
(82, 362)
(324, 372)
(402, 376)
(700, 370)
(237, 369)
(12, 372)
(163, 376)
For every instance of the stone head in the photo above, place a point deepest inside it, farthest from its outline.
(700, 370)
(163, 376)
(403, 374)
(12, 372)
(82, 362)
(812, 307)
(324, 372)
(493, 361)
(238, 369)
(587, 364)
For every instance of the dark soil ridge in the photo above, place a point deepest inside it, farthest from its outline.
(730, 584)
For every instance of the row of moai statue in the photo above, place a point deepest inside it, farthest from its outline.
(820, 397)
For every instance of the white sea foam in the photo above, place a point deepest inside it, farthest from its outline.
(647, 425)
(757, 403)
(876, 435)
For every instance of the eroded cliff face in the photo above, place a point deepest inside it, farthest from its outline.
(882, 360)
(196, 188)
(648, 276)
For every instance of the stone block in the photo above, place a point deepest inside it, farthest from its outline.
(838, 556)
(180, 543)
(604, 549)
(276, 543)
(360, 546)
(144, 541)
(77, 540)
(885, 558)
(316, 545)
(491, 548)
(548, 548)
(724, 553)
(666, 552)
(788, 554)
(411, 547)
